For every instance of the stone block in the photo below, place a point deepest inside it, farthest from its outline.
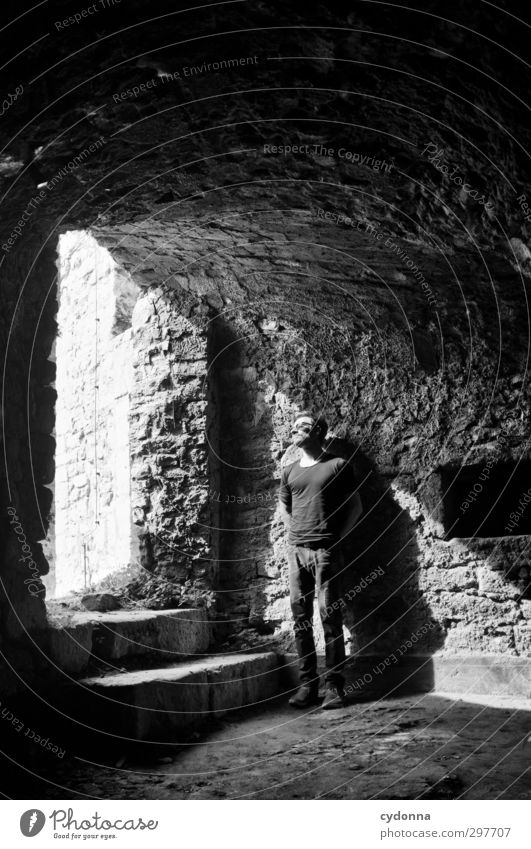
(482, 673)
(172, 634)
(470, 608)
(493, 584)
(466, 673)
(522, 638)
(458, 578)
(70, 646)
(178, 700)
(157, 704)
(101, 602)
(478, 638)
(245, 684)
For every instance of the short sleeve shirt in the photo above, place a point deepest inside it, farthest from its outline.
(316, 497)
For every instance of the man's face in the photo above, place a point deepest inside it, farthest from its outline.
(304, 432)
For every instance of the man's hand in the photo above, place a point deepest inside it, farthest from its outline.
(285, 516)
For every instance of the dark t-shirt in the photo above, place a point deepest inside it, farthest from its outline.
(315, 496)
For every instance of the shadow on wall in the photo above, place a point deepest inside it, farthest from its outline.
(246, 473)
(393, 631)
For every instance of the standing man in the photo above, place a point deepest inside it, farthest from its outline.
(319, 506)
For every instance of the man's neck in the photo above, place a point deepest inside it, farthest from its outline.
(311, 455)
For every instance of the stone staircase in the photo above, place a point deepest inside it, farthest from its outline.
(148, 675)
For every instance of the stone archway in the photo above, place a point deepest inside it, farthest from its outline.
(93, 535)
(131, 418)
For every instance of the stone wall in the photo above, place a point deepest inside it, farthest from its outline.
(416, 346)
(28, 470)
(170, 436)
(294, 324)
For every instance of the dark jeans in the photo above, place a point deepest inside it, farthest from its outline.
(311, 570)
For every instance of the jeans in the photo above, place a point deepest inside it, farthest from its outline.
(310, 570)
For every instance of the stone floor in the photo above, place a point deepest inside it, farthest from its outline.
(430, 746)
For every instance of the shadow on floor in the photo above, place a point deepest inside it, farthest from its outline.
(426, 746)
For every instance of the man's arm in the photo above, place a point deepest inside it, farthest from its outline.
(284, 496)
(352, 507)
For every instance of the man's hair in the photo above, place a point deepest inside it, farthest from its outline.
(320, 421)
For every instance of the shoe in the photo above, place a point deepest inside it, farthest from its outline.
(334, 697)
(305, 697)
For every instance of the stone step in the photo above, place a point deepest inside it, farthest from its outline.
(122, 634)
(155, 705)
(377, 676)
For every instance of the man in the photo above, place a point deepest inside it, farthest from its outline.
(319, 506)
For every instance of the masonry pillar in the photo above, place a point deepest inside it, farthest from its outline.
(172, 454)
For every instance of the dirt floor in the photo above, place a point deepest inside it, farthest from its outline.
(430, 746)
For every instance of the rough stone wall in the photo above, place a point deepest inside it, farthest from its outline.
(171, 476)
(245, 374)
(29, 399)
(297, 324)
(416, 388)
